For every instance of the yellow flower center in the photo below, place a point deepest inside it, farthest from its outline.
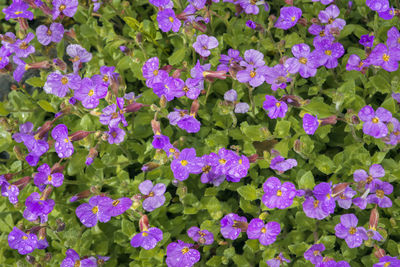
(64, 80)
(316, 252)
(185, 88)
(379, 193)
(352, 230)
(155, 72)
(303, 60)
(48, 32)
(105, 78)
(322, 33)
(145, 234)
(18, 12)
(279, 193)
(172, 150)
(77, 263)
(360, 64)
(328, 196)
(293, 18)
(201, 233)
(385, 57)
(263, 230)
(206, 168)
(76, 58)
(316, 203)
(252, 74)
(23, 45)
(114, 134)
(151, 194)
(375, 120)
(330, 20)
(95, 209)
(115, 202)
(185, 250)
(62, 7)
(91, 92)
(49, 178)
(24, 237)
(26, 67)
(328, 52)
(386, 264)
(184, 162)
(66, 140)
(369, 179)
(253, 2)
(222, 161)
(171, 19)
(278, 104)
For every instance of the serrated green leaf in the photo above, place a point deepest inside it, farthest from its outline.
(177, 56)
(46, 106)
(248, 192)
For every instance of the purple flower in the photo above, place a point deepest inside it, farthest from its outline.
(18, 9)
(112, 117)
(241, 108)
(226, 159)
(326, 53)
(252, 59)
(366, 40)
(47, 35)
(230, 95)
(115, 135)
(25, 243)
(117, 207)
(313, 209)
(255, 77)
(280, 164)
(385, 57)
(198, 71)
(323, 193)
(24, 129)
(238, 169)
(35, 147)
(193, 88)
(378, 5)
(229, 61)
(9, 190)
(91, 90)
(360, 202)
(204, 43)
(63, 145)
(265, 233)
(288, 17)
(393, 37)
(249, 7)
(159, 141)
(388, 14)
(375, 171)
(186, 163)
(277, 261)
(277, 77)
(313, 254)
(4, 57)
(302, 62)
(73, 260)
(36, 207)
(22, 67)
(344, 199)
(274, 107)
(329, 16)
(170, 87)
(152, 73)
(170, 150)
(374, 122)
(147, 239)
(355, 63)
(95, 210)
(153, 195)
(21, 48)
(78, 53)
(347, 229)
(278, 195)
(204, 237)
(45, 177)
(394, 137)
(251, 24)
(310, 123)
(176, 115)
(189, 123)
(386, 261)
(59, 84)
(232, 225)
(181, 254)
(209, 175)
(168, 21)
(65, 7)
(381, 189)
(108, 74)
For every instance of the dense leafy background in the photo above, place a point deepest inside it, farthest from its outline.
(333, 153)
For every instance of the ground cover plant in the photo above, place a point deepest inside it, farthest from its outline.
(199, 133)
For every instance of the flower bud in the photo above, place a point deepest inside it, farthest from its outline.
(47, 257)
(163, 101)
(144, 223)
(23, 24)
(133, 107)
(57, 168)
(71, 33)
(150, 166)
(21, 183)
(209, 74)
(355, 119)
(302, 21)
(167, 68)
(81, 195)
(199, 26)
(30, 259)
(60, 64)
(79, 135)
(339, 189)
(379, 253)
(39, 65)
(60, 225)
(289, 2)
(373, 219)
(253, 158)
(177, 73)
(46, 193)
(139, 38)
(292, 100)
(195, 107)
(44, 129)
(18, 153)
(315, 21)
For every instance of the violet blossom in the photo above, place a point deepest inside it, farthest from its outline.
(204, 237)
(265, 233)
(275, 108)
(147, 239)
(347, 229)
(46, 35)
(153, 195)
(278, 195)
(288, 17)
(374, 122)
(204, 43)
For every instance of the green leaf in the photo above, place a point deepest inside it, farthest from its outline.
(306, 181)
(46, 106)
(324, 164)
(3, 110)
(282, 129)
(319, 108)
(35, 82)
(177, 56)
(133, 23)
(215, 261)
(248, 192)
(254, 132)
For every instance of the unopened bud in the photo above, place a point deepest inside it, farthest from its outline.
(139, 38)
(81, 195)
(44, 129)
(199, 26)
(289, 2)
(133, 107)
(373, 219)
(18, 153)
(292, 100)
(79, 135)
(355, 119)
(23, 24)
(57, 168)
(61, 65)
(71, 33)
(155, 125)
(163, 101)
(253, 158)
(195, 107)
(339, 189)
(144, 223)
(30, 259)
(297, 145)
(177, 73)
(47, 257)
(302, 21)
(150, 166)
(379, 253)
(21, 183)
(315, 21)
(167, 68)
(60, 225)
(46, 193)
